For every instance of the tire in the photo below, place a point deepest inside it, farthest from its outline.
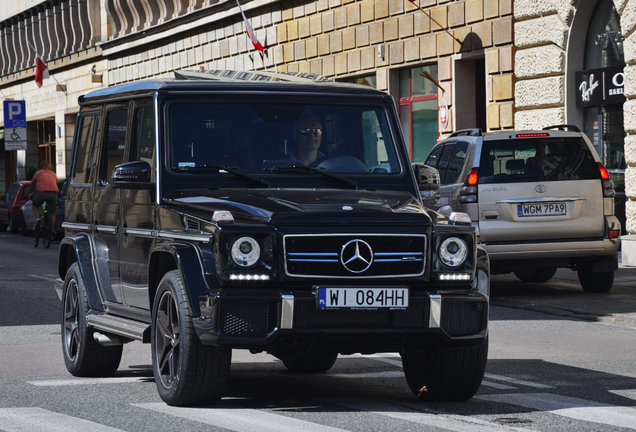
(441, 374)
(537, 275)
(3, 227)
(83, 356)
(23, 227)
(316, 360)
(599, 282)
(46, 240)
(186, 371)
(36, 237)
(46, 233)
(14, 224)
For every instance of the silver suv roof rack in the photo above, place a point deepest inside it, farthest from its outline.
(466, 132)
(231, 75)
(564, 127)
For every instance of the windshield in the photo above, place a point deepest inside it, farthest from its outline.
(264, 138)
(536, 159)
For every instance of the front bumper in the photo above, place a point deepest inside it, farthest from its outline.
(247, 320)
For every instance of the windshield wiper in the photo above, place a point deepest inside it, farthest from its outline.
(229, 169)
(295, 168)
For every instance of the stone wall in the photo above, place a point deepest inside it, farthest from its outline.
(338, 39)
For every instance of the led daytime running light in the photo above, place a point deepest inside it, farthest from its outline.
(249, 277)
(454, 277)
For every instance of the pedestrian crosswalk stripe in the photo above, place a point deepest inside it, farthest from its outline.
(87, 381)
(631, 393)
(38, 419)
(497, 386)
(386, 374)
(439, 420)
(240, 419)
(517, 381)
(579, 409)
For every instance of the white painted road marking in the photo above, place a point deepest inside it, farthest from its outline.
(87, 381)
(497, 386)
(38, 419)
(579, 409)
(517, 381)
(445, 421)
(239, 419)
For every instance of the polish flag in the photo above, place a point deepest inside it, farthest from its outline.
(249, 31)
(41, 71)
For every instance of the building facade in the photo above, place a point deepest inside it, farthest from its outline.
(492, 64)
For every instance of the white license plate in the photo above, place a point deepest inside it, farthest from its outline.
(545, 209)
(362, 298)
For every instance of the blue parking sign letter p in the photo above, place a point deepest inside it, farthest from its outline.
(15, 110)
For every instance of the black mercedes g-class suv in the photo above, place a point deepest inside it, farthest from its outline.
(262, 211)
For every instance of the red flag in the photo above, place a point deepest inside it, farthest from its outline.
(41, 71)
(249, 31)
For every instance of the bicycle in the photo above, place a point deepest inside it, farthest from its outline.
(44, 229)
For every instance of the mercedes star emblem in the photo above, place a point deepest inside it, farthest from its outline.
(540, 188)
(356, 256)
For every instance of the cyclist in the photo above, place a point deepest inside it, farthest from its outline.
(45, 183)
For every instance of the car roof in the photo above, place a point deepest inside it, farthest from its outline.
(210, 80)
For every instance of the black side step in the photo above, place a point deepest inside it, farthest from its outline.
(120, 326)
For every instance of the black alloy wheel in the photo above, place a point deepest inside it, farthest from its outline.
(83, 356)
(186, 371)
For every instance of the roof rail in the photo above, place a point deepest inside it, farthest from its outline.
(564, 127)
(466, 132)
(231, 75)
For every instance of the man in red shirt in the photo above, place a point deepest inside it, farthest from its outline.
(45, 183)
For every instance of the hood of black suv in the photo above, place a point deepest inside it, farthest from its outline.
(288, 206)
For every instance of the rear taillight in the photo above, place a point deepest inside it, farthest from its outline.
(608, 185)
(468, 193)
(614, 234)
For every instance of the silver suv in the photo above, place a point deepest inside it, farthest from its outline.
(540, 200)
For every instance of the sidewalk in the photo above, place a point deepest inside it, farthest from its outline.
(563, 296)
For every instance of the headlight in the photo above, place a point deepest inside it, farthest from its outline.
(453, 252)
(246, 251)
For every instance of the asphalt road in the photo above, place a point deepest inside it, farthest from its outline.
(546, 372)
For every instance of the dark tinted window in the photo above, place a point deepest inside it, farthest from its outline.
(432, 158)
(23, 194)
(143, 139)
(536, 159)
(11, 192)
(115, 140)
(456, 163)
(444, 160)
(84, 155)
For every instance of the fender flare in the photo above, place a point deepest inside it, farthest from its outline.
(78, 249)
(482, 271)
(188, 260)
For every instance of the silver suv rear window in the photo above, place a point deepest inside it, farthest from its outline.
(536, 159)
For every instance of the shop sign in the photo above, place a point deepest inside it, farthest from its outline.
(443, 113)
(15, 125)
(603, 86)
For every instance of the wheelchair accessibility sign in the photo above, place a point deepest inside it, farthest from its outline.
(15, 137)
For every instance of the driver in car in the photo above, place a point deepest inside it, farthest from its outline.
(307, 135)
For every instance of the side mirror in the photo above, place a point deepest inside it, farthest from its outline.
(427, 177)
(132, 175)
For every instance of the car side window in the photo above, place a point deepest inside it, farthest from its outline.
(143, 138)
(456, 162)
(116, 126)
(11, 193)
(433, 158)
(85, 164)
(444, 160)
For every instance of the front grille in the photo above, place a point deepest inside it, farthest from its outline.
(461, 318)
(325, 256)
(307, 316)
(248, 319)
